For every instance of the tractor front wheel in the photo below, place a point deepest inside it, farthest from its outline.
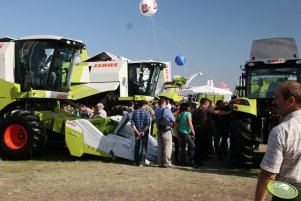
(21, 135)
(241, 141)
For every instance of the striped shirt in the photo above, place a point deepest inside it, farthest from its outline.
(283, 155)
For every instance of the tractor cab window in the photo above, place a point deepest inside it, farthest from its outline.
(143, 78)
(35, 58)
(60, 75)
(44, 65)
(263, 82)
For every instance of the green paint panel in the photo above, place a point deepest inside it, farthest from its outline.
(74, 142)
(249, 109)
(77, 72)
(80, 91)
(170, 95)
(105, 125)
(94, 151)
(133, 98)
(9, 91)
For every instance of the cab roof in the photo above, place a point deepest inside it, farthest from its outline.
(51, 37)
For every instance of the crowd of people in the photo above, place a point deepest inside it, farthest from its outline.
(197, 127)
(204, 129)
(84, 111)
(201, 129)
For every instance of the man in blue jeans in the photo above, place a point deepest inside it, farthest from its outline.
(140, 123)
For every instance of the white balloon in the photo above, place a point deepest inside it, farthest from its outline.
(148, 7)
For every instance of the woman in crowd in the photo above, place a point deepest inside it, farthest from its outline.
(186, 133)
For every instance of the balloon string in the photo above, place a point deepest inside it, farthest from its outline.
(155, 38)
(185, 67)
(178, 46)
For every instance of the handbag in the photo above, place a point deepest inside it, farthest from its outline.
(164, 123)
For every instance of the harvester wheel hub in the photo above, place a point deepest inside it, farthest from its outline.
(15, 136)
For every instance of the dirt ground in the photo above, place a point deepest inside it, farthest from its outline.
(58, 176)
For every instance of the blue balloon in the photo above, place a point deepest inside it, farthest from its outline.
(180, 60)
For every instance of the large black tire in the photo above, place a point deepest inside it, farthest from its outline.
(241, 141)
(22, 135)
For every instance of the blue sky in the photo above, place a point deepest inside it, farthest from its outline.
(214, 35)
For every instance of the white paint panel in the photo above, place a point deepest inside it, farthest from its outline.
(7, 61)
(102, 87)
(56, 95)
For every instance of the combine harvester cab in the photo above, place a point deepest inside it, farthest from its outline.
(272, 61)
(114, 80)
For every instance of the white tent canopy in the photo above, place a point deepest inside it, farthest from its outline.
(206, 89)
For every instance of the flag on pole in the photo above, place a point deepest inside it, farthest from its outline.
(223, 85)
(210, 83)
(167, 72)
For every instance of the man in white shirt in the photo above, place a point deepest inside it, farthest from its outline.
(282, 160)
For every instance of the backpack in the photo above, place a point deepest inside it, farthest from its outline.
(164, 123)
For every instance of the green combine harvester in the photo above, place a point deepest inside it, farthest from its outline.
(169, 90)
(39, 74)
(114, 80)
(35, 75)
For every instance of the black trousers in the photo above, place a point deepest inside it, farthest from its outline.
(140, 154)
(201, 145)
(175, 140)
